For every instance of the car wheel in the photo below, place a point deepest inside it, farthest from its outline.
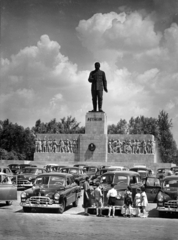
(8, 202)
(75, 204)
(63, 206)
(27, 209)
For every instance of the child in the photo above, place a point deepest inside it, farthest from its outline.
(138, 201)
(144, 201)
(111, 195)
(98, 200)
(128, 202)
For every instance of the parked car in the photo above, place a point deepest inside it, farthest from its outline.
(78, 174)
(51, 191)
(163, 172)
(142, 170)
(96, 178)
(7, 171)
(167, 199)
(14, 168)
(81, 165)
(123, 179)
(174, 170)
(24, 165)
(8, 190)
(27, 177)
(51, 167)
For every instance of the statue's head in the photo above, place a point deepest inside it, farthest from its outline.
(97, 65)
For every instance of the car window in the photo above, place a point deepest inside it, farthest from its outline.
(72, 179)
(68, 181)
(40, 171)
(42, 180)
(29, 170)
(73, 171)
(92, 169)
(133, 180)
(152, 182)
(107, 179)
(64, 170)
(57, 180)
(173, 183)
(120, 179)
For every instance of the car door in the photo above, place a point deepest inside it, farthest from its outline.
(8, 191)
(152, 187)
(69, 193)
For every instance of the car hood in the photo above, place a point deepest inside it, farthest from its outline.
(44, 190)
(170, 194)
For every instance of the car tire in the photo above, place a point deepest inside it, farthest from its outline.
(27, 209)
(75, 204)
(63, 206)
(8, 203)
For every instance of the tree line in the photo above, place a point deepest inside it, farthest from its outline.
(17, 142)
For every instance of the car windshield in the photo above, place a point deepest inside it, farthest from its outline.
(57, 180)
(42, 180)
(29, 170)
(120, 179)
(73, 171)
(107, 179)
(92, 169)
(162, 170)
(14, 167)
(171, 183)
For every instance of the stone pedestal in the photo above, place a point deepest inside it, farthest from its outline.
(95, 123)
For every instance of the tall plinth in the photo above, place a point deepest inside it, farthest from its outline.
(93, 144)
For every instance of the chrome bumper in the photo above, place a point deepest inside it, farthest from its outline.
(165, 209)
(31, 205)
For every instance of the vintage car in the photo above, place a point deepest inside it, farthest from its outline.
(97, 176)
(163, 172)
(14, 168)
(78, 174)
(123, 179)
(24, 165)
(51, 191)
(27, 177)
(80, 165)
(142, 170)
(167, 198)
(174, 170)
(8, 190)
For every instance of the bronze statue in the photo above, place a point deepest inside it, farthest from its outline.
(98, 80)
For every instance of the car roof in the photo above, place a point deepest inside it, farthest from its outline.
(72, 168)
(4, 167)
(125, 173)
(34, 168)
(171, 177)
(56, 174)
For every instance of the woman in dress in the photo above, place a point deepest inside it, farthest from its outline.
(144, 201)
(138, 201)
(86, 196)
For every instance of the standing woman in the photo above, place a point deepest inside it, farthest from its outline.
(86, 196)
(144, 202)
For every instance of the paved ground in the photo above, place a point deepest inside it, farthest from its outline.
(17, 225)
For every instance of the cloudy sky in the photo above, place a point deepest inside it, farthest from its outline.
(48, 49)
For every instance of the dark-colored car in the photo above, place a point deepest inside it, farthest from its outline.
(167, 199)
(51, 191)
(143, 171)
(14, 168)
(123, 179)
(174, 170)
(24, 165)
(163, 172)
(78, 174)
(27, 177)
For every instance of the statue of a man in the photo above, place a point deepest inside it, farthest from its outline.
(98, 82)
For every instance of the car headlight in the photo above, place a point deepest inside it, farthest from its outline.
(23, 195)
(160, 197)
(56, 196)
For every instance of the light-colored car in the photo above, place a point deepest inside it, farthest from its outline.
(8, 190)
(6, 170)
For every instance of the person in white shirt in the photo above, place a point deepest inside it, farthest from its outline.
(111, 195)
(144, 201)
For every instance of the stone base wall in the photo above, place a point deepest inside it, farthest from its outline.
(57, 157)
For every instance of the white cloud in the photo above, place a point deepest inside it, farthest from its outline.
(140, 66)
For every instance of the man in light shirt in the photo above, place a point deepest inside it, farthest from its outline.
(111, 195)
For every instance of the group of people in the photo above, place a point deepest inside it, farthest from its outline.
(139, 202)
